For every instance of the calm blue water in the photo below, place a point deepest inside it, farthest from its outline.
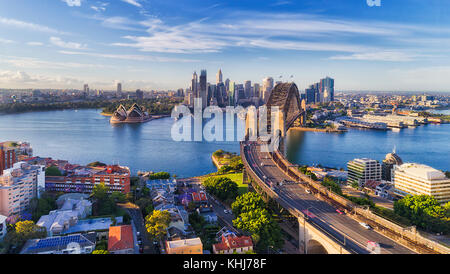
(85, 136)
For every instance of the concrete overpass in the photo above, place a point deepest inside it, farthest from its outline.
(321, 228)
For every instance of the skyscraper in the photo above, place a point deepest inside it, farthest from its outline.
(327, 90)
(194, 85)
(86, 89)
(256, 89)
(248, 89)
(203, 88)
(267, 88)
(119, 90)
(139, 94)
(219, 77)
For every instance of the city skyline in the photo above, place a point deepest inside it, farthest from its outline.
(157, 45)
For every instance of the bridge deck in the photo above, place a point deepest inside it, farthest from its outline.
(322, 214)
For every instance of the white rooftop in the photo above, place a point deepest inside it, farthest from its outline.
(185, 242)
(422, 171)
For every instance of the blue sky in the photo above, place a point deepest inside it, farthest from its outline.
(402, 45)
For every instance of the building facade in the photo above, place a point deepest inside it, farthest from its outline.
(18, 185)
(186, 246)
(83, 180)
(361, 171)
(418, 179)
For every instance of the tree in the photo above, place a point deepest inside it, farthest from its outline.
(52, 171)
(425, 212)
(157, 223)
(100, 252)
(332, 185)
(22, 232)
(247, 202)
(222, 187)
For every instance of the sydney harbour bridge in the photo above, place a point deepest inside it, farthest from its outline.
(316, 219)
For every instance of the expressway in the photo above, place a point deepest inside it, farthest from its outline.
(322, 215)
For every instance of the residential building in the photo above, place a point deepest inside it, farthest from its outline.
(186, 246)
(60, 220)
(7, 158)
(18, 185)
(419, 179)
(361, 171)
(70, 244)
(230, 243)
(121, 240)
(83, 179)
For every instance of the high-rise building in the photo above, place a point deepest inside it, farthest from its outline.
(231, 92)
(327, 89)
(194, 85)
(418, 179)
(18, 186)
(256, 89)
(267, 88)
(119, 90)
(248, 89)
(310, 95)
(363, 170)
(139, 94)
(7, 158)
(203, 88)
(86, 89)
(219, 77)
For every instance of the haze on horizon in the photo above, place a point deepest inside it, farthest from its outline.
(158, 44)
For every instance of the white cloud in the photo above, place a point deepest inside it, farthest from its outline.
(72, 3)
(35, 63)
(6, 41)
(133, 2)
(26, 25)
(35, 44)
(129, 57)
(22, 79)
(392, 56)
(69, 45)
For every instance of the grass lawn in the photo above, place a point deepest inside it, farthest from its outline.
(237, 178)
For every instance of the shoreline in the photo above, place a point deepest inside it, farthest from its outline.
(327, 130)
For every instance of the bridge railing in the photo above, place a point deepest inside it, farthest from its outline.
(294, 211)
(411, 236)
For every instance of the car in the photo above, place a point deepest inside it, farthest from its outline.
(138, 233)
(308, 191)
(225, 211)
(339, 211)
(366, 226)
(262, 164)
(139, 242)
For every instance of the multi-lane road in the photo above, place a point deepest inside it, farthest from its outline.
(321, 214)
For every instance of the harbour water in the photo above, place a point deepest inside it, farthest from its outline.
(84, 136)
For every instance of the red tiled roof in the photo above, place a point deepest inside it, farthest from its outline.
(120, 237)
(195, 196)
(231, 242)
(203, 196)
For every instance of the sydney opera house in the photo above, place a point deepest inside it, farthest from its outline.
(134, 115)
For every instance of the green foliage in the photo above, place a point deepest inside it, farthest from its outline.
(52, 171)
(206, 232)
(104, 203)
(20, 233)
(304, 170)
(332, 185)
(146, 205)
(221, 187)
(157, 223)
(218, 153)
(100, 252)
(247, 202)
(159, 175)
(425, 212)
(96, 164)
(42, 206)
(253, 217)
(360, 201)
